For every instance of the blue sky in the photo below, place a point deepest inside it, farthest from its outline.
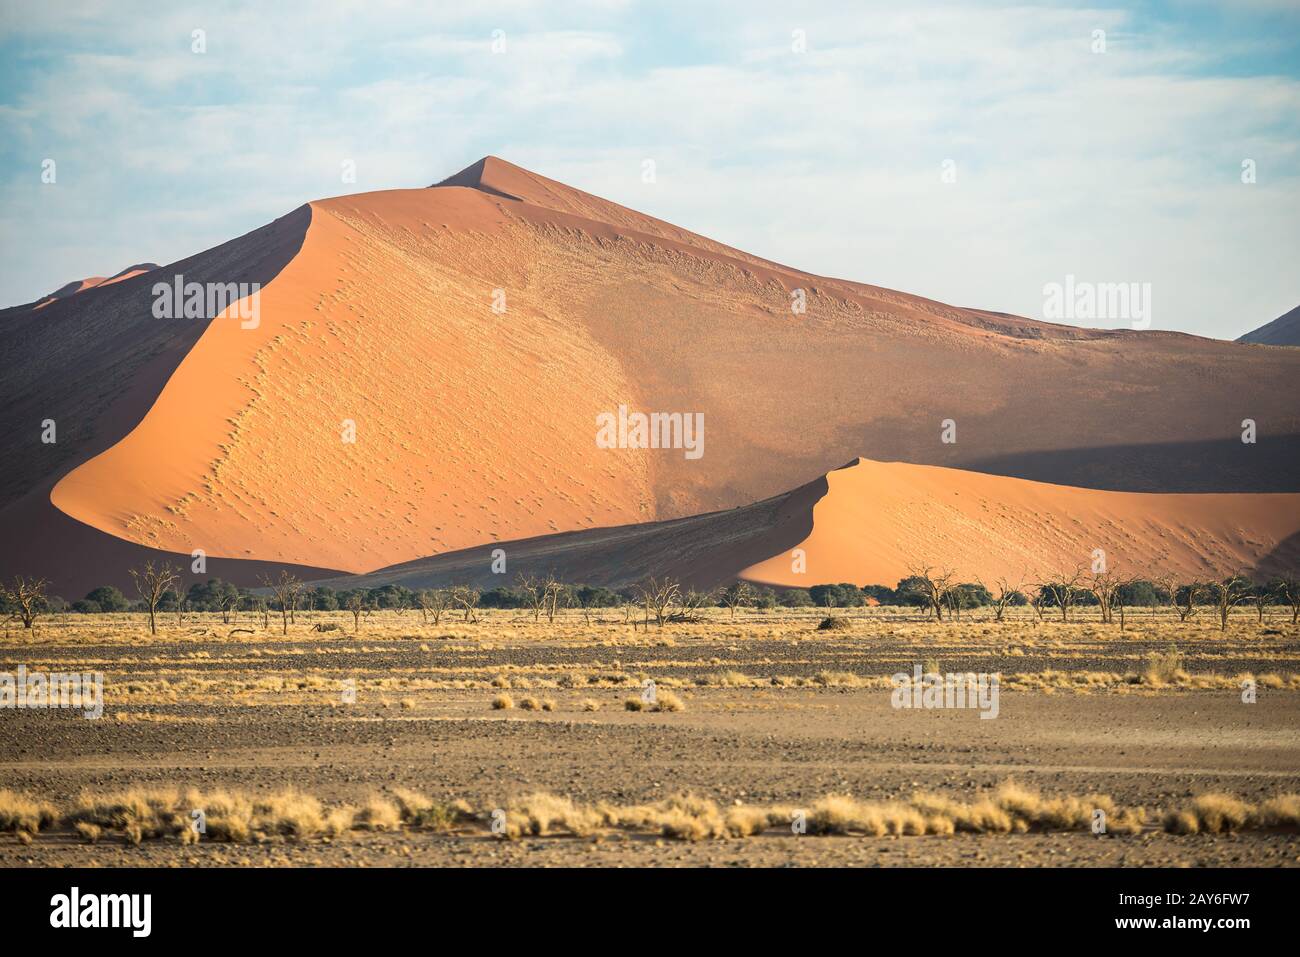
(1122, 166)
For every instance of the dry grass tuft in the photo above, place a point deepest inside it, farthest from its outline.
(1164, 669)
(503, 702)
(19, 813)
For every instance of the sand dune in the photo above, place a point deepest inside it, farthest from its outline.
(872, 522)
(474, 426)
(1282, 331)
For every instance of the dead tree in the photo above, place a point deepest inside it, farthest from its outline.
(1229, 593)
(151, 583)
(692, 604)
(432, 601)
(1183, 598)
(556, 595)
(1065, 591)
(1288, 589)
(738, 595)
(25, 598)
(286, 589)
(1006, 594)
(533, 591)
(356, 604)
(659, 595)
(466, 598)
(935, 586)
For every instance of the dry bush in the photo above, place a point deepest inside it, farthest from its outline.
(589, 704)
(503, 702)
(530, 704)
(634, 704)
(548, 704)
(834, 623)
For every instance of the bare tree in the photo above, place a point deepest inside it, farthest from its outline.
(433, 601)
(693, 604)
(1229, 593)
(230, 599)
(1288, 589)
(557, 595)
(1183, 598)
(25, 598)
(534, 593)
(465, 597)
(738, 595)
(1065, 591)
(356, 604)
(151, 582)
(286, 589)
(659, 595)
(935, 585)
(1005, 596)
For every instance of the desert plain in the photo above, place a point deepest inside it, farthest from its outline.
(510, 741)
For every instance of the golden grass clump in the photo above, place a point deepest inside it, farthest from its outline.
(837, 679)
(19, 813)
(420, 810)
(541, 813)
(589, 704)
(503, 702)
(530, 704)
(667, 701)
(378, 814)
(1164, 669)
(1211, 814)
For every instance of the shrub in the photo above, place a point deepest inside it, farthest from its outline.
(833, 623)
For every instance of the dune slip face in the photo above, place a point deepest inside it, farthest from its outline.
(430, 367)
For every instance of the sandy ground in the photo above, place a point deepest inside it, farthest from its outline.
(264, 713)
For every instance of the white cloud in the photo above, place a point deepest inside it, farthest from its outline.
(1119, 166)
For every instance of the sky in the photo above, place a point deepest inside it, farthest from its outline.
(972, 153)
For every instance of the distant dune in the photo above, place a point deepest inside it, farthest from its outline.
(1282, 331)
(872, 522)
(81, 285)
(474, 426)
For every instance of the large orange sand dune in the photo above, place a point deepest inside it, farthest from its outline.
(475, 426)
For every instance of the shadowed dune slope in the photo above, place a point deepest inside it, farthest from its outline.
(872, 522)
(1282, 331)
(94, 364)
(474, 425)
